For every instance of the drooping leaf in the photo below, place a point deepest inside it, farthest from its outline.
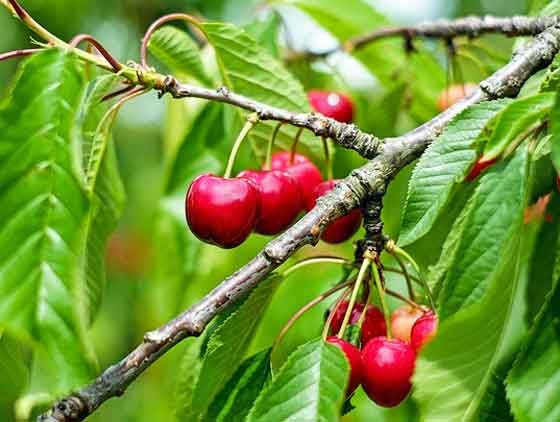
(248, 69)
(533, 385)
(235, 400)
(515, 121)
(496, 214)
(444, 164)
(44, 208)
(179, 52)
(310, 386)
(227, 346)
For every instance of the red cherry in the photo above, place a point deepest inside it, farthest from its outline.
(302, 169)
(333, 105)
(479, 167)
(454, 94)
(424, 330)
(354, 359)
(280, 199)
(388, 366)
(221, 211)
(402, 320)
(342, 228)
(372, 326)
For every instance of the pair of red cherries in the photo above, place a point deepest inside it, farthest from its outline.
(224, 211)
(384, 367)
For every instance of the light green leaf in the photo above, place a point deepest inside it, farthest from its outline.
(516, 121)
(533, 385)
(238, 395)
(178, 51)
(13, 373)
(310, 386)
(442, 166)
(44, 209)
(248, 69)
(266, 31)
(227, 346)
(496, 215)
(455, 370)
(189, 371)
(555, 132)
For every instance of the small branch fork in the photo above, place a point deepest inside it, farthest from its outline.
(365, 186)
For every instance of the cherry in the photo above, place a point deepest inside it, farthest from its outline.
(479, 167)
(301, 168)
(343, 227)
(280, 199)
(354, 359)
(221, 211)
(424, 330)
(454, 94)
(402, 320)
(331, 104)
(372, 326)
(388, 366)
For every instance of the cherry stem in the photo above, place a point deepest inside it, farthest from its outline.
(270, 146)
(99, 47)
(294, 145)
(19, 53)
(303, 310)
(404, 299)
(397, 271)
(381, 290)
(117, 93)
(333, 311)
(252, 119)
(316, 260)
(365, 264)
(155, 25)
(392, 247)
(328, 162)
(366, 304)
(406, 276)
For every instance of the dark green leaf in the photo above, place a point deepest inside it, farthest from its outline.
(444, 164)
(235, 400)
(310, 386)
(495, 406)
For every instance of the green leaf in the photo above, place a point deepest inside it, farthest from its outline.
(178, 51)
(266, 32)
(227, 346)
(515, 122)
(495, 406)
(13, 373)
(189, 371)
(235, 400)
(248, 69)
(533, 385)
(442, 166)
(496, 214)
(310, 386)
(555, 132)
(44, 209)
(455, 371)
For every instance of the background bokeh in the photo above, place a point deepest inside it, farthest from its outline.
(135, 300)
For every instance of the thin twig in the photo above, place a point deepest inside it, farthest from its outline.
(99, 47)
(19, 53)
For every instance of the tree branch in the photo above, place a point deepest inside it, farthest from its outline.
(471, 26)
(371, 179)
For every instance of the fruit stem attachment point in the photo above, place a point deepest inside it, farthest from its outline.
(252, 120)
(270, 146)
(381, 290)
(328, 161)
(316, 260)
(363, 268)
(294, 146)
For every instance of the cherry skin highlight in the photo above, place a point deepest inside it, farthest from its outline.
(388, 366)
(331, 104)
(372, 326)
(453, 94)
(424, 330)
(354, 359)
(402, 320)
(280, 199)
(301, 168)
(343, 228)
(222, 212)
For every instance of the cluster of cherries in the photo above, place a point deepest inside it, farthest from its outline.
(384, 367)
(224, 211)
